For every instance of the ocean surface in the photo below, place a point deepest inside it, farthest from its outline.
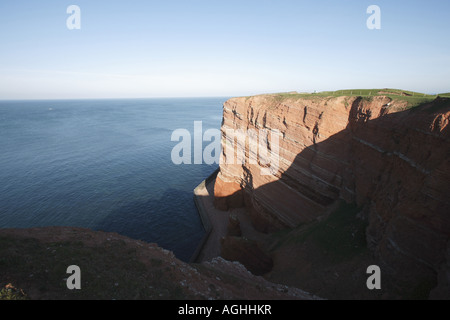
(104, 165)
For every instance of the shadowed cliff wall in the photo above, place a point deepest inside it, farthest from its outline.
(393, 164)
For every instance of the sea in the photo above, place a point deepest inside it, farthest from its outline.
(104, 165)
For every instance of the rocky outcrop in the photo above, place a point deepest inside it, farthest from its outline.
(234, 226)
(393, 162)
(248, 253)
(116, 267)
(228, 194)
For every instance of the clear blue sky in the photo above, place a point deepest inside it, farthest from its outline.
(149, 48)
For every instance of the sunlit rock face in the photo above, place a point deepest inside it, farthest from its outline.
(392, 161)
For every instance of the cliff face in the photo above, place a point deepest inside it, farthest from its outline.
(395, 165)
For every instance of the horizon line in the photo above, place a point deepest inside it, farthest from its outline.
(127, 98)
(206, 96)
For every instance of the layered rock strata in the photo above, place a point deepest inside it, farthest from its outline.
(392, 161)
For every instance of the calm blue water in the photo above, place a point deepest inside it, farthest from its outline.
(104, 165)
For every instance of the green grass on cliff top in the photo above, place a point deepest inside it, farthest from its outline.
(413, 99)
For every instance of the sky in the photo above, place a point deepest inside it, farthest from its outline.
(194, 48)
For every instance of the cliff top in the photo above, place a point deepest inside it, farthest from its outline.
(411, 98)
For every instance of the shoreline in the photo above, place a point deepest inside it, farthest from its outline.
(204, 216)
(215, 222)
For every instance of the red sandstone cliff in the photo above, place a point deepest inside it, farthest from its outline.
(394, 164)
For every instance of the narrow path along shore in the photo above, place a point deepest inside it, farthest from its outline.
(215, 222)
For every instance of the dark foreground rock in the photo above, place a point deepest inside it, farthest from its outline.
(33, 265)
